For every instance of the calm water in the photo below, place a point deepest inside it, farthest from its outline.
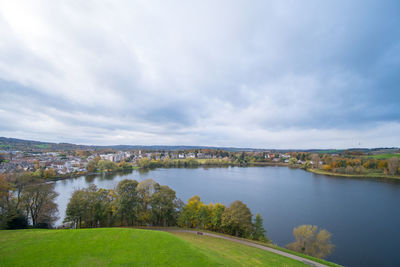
(362, 215)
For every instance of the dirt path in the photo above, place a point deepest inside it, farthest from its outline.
(288, 255)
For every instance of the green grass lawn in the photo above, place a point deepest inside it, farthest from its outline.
(274, 246)
(228, 253)
(128, 247)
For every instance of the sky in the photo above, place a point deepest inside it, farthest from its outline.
(262, 74)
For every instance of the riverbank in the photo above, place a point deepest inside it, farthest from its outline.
(204, 164)
(368, 175)
(201, 164)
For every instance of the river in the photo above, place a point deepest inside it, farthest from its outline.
(362, 214)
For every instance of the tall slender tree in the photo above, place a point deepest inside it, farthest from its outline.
(259, 231)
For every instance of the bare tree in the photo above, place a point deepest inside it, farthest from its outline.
(312, 242)
(393, 165)
(39, 200)
(315, 160)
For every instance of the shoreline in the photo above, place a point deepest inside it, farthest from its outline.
(363, 176)
(378, 177)
(255, 164)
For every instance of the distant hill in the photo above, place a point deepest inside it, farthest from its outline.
(29, 145)
(12, 144)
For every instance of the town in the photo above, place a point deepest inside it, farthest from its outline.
(61, 163)
(52, 160)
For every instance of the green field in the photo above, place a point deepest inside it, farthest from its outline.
(329, 151)
(384, 156)
(229, 253)
(42, 146)
(199, 240)
(129, 247)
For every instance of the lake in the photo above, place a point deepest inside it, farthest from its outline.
(362, 214)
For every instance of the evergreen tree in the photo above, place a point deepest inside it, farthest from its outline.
(259, 231)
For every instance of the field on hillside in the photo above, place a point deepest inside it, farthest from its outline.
(221, 245)
(384, 156)
(122, 246)
(234, 254)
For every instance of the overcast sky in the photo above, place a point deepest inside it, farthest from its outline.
(266, 74)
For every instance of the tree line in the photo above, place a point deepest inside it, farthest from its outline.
(234, 220)
(347, 164)
(130, 204)
(167, 163)
(361, 165)
(99, 165)
(150, 204)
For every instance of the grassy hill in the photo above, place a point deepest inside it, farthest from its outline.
(221, 246)
(30, 145)
(123, 246)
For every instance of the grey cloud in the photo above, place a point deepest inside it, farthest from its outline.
(202, 73)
